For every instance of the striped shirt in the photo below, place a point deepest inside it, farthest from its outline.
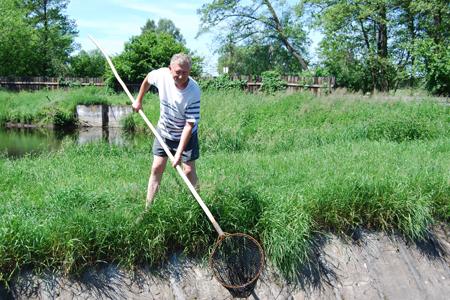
(176, 106)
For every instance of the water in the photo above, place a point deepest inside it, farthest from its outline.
(17, 142)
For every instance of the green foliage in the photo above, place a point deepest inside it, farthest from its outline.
(272, 82)
(36, 38)
(144, 53)
(274, 25)
(87, 64)
(222, 82)
(435, 64)
(164, 26)
(129, 124)
(63, 119)
(55, 34)
(17, 40)
(360, 53)
(256, 57)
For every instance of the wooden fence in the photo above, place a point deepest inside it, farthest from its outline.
(37, 83)
(317, 85)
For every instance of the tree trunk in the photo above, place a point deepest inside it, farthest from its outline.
(369, 52)
(412, 34)
(382, 48)
(283, 38)
(45, 46)
(437, 22)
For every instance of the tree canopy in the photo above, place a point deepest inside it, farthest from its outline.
(368, 45)
(147, 52)
(16, 40)
(272, 22)
(87, 64)
(384, 44)
(36, 37)
(164, 26)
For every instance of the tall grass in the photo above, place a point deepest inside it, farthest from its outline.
(282, 168)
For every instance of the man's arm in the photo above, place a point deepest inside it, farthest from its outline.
(184, 140)
(137, 105)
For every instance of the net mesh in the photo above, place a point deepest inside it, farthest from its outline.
(237, 261)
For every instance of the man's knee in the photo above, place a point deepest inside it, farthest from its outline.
(189, 168)
(159, 164)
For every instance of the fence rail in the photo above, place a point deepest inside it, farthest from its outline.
(317, 85)
(37, 83)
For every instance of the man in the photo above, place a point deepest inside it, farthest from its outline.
(179, 96)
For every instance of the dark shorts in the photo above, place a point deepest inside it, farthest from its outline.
(191, 152)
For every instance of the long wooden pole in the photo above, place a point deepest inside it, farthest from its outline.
(163, 144)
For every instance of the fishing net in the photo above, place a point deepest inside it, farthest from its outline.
(237, 261)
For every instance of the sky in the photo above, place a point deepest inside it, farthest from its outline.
(112, 23)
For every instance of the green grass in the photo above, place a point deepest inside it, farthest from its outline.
(281, 168)
(51, 107)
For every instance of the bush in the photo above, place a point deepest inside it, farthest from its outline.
(63, 119)
(272, 82)
(222, 82)
(128, 123)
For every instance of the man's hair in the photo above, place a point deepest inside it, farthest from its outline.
(181, 59)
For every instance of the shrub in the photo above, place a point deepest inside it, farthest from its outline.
(63, 119)
(272, 82)
(222, 82)
(128, 123)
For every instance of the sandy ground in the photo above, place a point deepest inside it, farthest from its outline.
(372, 266)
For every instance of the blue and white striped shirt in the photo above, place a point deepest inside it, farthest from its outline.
(176, 106)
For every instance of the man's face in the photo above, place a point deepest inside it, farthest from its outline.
(180, 73)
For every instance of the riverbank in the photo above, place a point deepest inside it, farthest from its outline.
(51, 108)
(281, 168)
(372, 266)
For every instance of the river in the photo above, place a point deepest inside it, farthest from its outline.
(17, 142)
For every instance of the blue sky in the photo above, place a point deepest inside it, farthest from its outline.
(113, 22)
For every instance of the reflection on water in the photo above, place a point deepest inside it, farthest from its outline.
(17, 142)
(112, 135)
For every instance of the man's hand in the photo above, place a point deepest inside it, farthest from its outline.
(176, 160)
(136, 106)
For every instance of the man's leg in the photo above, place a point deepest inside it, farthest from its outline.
(191, 173)
(158, 166)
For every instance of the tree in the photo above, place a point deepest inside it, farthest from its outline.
(16, 40)
(55, 34)
(275, 22)
(87, 64)
(254, 58)
(383, 44)
(431, 48)
(164, 26)
(147, 52)
(357, 32)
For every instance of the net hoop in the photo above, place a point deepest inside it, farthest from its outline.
(261, 261)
